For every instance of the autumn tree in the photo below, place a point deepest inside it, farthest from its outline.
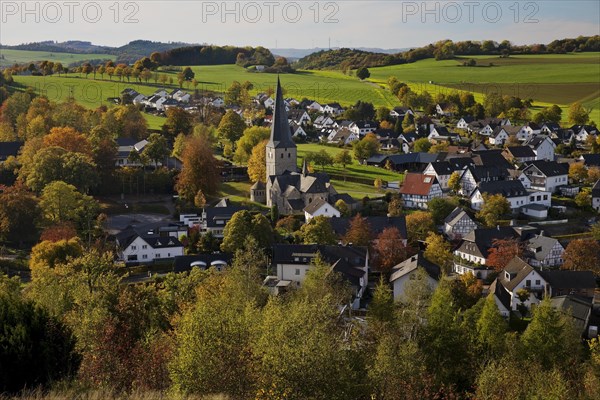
(440, 208)
(418, 225)
(381, 308)
(51, 254)
(178, 121)
(578, 115)
(438, 251)
(343, 158)
(502, 251)
(582, 255)
(157, 148)
(243, 225)
(59, 231)
(395, 205)
(200, 170)
(69, 139)
(318, 230)
(583, 199)
(421, 145)
(19, 215)
(494, 206)
(250, 139)
(257, 170)
(359, 232)
(577, 172)
(366, 147)
(389, 249)
(454, 182)
(231, 128)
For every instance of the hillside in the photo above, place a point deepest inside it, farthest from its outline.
(9, 57)
(346, 59)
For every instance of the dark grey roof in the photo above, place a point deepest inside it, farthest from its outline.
(480, 240)
(483, 172)
(591, 159)
(507, 189)
(214, 214)
(315, 205)
(549, 168)
(345, 197)
(518, 270)
(596, 189)
(442, 167)
(280, 128)
(456, 215)
(501, 293)
(125, 141)
(490, 158)
(565, 279)
(520, 151)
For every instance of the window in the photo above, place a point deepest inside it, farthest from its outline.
(528, 283)
(281, 155)
(297, 271)
(144, 256)
(133, 247)
(144, 246)
(156, 255)
(537, 282)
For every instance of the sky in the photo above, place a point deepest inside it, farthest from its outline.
(297, 24)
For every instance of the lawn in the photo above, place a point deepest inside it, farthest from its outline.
(9, 57)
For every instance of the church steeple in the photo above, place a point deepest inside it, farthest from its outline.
(281, 135)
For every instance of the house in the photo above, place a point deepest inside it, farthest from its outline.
(490, 158)
(583, 131)
(514, 191)
(406, 270)
(577, 309)
(547, 175)
(442, 170)
(473, 251)
(444, 109)
(458, 224)
(314, 106)
(148, 244)
(9, 149)
(517, 278)
(332, 109)
(543, 147)
(474, 175)
(156, 102)
(323, 121)
(543, 251)
(411, 162)
(519, 154)
(499, 136)
(125, 148)
(214, 219)
(132, 96)
(528, 131)
(590, 160)
(361, 128)
(548, 128)
(292, 262)
(464, 122)
(218, 102)
(400, 112)
(564, 136)
(218, 261)
(596, 196)
(441, 133)
(297, 130)
(320, 207)
(565, 282)
(418, 189)
(180, 96)
(298, 116)
(343, 137)
(269, 102)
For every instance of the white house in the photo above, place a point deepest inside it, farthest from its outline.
(404, 272)
(146, 245)
(361, 128)
(398, 112)
(543, 147)
(464, 122)
(127, 146)
(218, 102)
(499, 136)
(528, 131)
(269, 102)
(547, 175)
(299, 116)
(342, 137)
(519, 277)
(320, 207)
(583, 131)
(333, 109)
(444, 109)
(596, 196)
(323, 121)
(314, 106)
(543, 251)
(458, 224)
(513, 191)
(418, 189)
(442, 170)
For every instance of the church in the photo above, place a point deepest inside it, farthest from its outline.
(286, 187)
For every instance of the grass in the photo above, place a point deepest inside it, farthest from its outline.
(9, 57)
(547, 79)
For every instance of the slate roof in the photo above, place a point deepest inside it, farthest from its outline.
(480, 240)
(539, 247)
(316, 205)
(418, 184)
(481, 172)
(442, 167)
(280, 128)
(566, 279)
(520, 151)
(591, 160)
(456, 215)
(214, 214)
(573, 306)
(378, 224)
(549, 168)
(490, 158)
(414, 262)
(596, 189)
(518, 269)
(507, 189)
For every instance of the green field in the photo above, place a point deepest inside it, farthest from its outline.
(9, 57)
(547, 79)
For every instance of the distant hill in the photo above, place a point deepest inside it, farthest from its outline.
(292, 54)
(347, 59)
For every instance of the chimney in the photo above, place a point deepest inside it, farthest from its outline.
(513, 222)
(542, 232)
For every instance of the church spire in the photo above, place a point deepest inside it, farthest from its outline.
(304, 168)
(281, 135)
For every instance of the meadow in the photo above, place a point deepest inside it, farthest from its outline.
(9, 57)
(547, 79)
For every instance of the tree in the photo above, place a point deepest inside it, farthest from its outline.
(366, 147)
(454, 182)
(188, 74)
(200, 170)
(418, 225)
(382, 113)
(502, 251)
(19, 215)
(362, 73)
(493, 104)
(232, 126)
(389, 249)
(318, 230)
(178, 121)
(243, 225)
(342, 207)
(61, 202)
(440, 208)
(578, 115)
(491, 328)
(37, 349)
(321, 158)
(257, 170)
(583, 199)
(48, 254)
(157, 148)
(577, 172)
(395, 205)
(252, 136)
(494, 206)
(359, 232)
(421, 145)
(69, 139)
(438, 251)
(382, 308)
(582, 255)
